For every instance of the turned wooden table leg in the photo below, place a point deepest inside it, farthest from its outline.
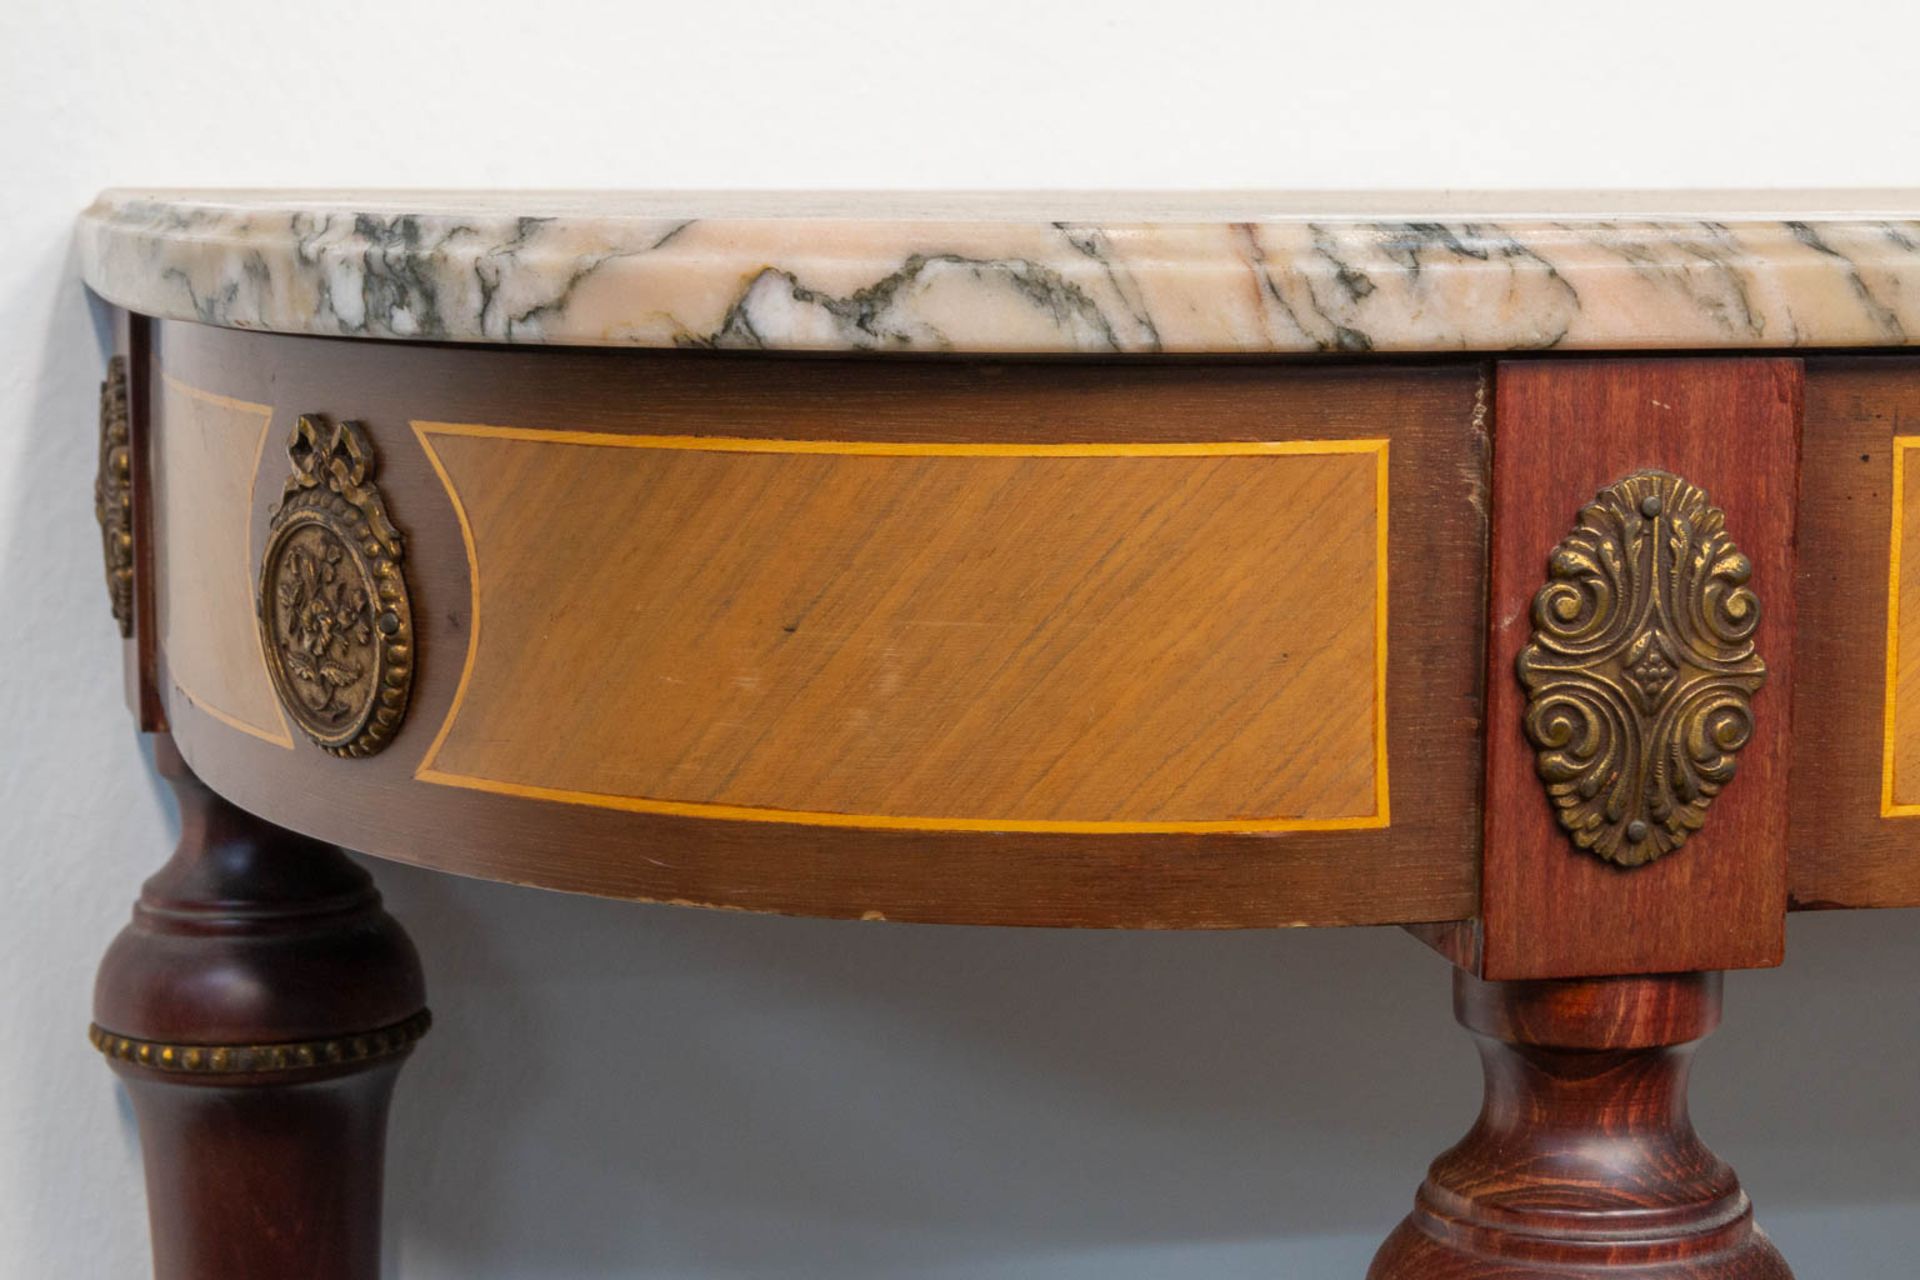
(1583, 1163)
(259, 1007)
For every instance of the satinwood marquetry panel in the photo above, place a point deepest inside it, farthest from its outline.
(1900, 760)
(209, 449)
(1112, 638)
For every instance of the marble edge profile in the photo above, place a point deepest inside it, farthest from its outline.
(1012, 286)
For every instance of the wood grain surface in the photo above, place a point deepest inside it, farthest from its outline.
(1118, 639)
(1854, 731)
(247, 1008)
(1421, 867)
(1583, 1164)
(1563, 431)
(209, 450)
(141, 651)
(1900, 763)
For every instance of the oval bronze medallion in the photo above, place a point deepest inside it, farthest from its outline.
(334, 619)
(113, 492)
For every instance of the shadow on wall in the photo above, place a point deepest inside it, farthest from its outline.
(629, 1090)
(615, 1089)
(86, 819)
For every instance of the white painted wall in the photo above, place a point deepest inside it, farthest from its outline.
(625, 1091)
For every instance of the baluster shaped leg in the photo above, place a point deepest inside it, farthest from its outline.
(1583, 1164)
(258, 1008)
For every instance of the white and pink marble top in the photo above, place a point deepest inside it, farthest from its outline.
(1070, 272)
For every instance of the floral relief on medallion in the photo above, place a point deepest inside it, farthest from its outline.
(113, 492)
(335, 623)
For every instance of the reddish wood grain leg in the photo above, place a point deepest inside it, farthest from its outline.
(1583, 1163)
(259, 1007)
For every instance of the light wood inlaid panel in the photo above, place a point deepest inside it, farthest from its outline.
(1900, 780)
(1129, 638)
(210, 448)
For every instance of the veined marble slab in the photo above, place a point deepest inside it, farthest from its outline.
(982, 272)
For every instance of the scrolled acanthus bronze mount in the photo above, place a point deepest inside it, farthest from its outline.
(1642, 668)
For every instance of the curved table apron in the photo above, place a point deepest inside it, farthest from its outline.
(887, 640)
(1586, 670)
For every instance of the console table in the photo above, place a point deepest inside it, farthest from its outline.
(1541, 574)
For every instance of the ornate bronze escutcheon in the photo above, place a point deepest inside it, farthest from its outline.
(113, 492)
(334, 618)
(1642, 667)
